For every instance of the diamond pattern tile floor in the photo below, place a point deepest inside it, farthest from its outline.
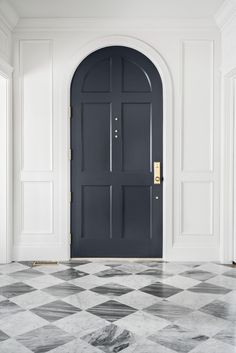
(139, 306)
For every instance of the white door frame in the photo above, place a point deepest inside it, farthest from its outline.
(228, 169)
(6, 219)
(168, 102)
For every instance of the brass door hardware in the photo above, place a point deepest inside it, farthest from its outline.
(157, 172)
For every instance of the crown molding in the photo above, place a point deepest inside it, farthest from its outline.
(226, 14)
(8, 15)
(94, 24)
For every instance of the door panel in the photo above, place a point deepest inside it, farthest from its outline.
(116, 135)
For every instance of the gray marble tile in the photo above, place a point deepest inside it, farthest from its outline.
(76, 346)
(193, 300)
(12, 346)
(92, 267)
(69, 274)
(167, 310)
(112, 289)
(132, 267)
(110, 339)
(178, 338)
(3, 336)
(63, 290)
(214, 346)
(44, 339)
(160, 290)
(7, 308)
(231, 273)
(112, 273)
(111, 310)
(224, 310)
(199, 275)
(12, 267)
(55, 310)
(76, 263)
(147, 346)
(228, 335)
(85, 299)
(32, 299)
(12, 290)
(138, 300)
(155, 273)
(26, 274)
(208, 288)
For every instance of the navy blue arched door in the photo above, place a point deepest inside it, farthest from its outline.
(116, 136)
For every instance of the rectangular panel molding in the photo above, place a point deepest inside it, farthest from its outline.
(197, 106)
(36, 104)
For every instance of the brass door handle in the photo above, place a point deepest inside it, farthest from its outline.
(157, 172)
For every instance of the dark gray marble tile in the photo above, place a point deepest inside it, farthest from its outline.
(12, 290)
(231, 273)
(55, 310)
(221, 309)
(167, 310)
(208, 288)
(112, 273)
(26, 274)
(27, 263)
(228, 335)
(155, 273)
(110, 339)
(198, 274)
(3, 336)
(178, 338)
(44, 339)
(161, 290)
(76, 263)
(69, 274)
(111, 310)
(63, 290)
(8, 308)
(112, 289)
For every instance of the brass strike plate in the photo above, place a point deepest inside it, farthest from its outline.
(157, 173)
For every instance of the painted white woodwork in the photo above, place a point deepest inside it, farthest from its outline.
(46, 54)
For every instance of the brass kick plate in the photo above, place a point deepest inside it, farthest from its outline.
(157, 172)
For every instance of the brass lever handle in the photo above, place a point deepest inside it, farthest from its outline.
(157, 172)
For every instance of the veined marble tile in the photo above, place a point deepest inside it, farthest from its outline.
(76, 263)
(25, 274)
(12, 346)
(214, 346)
(229, 298)
(132, 267)
(111, 289)
(92, 268)
(222, 309)
(8, 308)
(3, 336)
(193, 300)
(12, 267)
(89, 281)
(146, 346)
(174, 268)
(223, 281)
(76, 346)
(111, 310)
(211, 267)
(203, 323)
(155, 274)
(12, 290)
(142, 324)
(111, 273)
(20, 323)
(55, 310)
(2, 298)
(178, 338)
(138, 300)
(231, 273)
(133, 281)
(227, 335)
(180, 282)
(199, 275)
(47, 269)
(44, 339)
(69, 274)
(6, 280)
(208, 288)
(85, 299)
(110, 339)
(43, 281)
(81, 324)
(161, 290)
(32, 299)
(167, 310)
(62, 290)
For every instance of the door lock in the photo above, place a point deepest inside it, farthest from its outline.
(157, 172)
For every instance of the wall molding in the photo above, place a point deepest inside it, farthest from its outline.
(226, 14)
(8, 14)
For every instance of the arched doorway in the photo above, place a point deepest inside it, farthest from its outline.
(116, 136)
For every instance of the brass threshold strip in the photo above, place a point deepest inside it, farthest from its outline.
(40, 263)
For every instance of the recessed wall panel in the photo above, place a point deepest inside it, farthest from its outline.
(36, 104)
(37, 207)
(197, 114)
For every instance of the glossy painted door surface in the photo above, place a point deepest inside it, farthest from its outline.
(116, 135)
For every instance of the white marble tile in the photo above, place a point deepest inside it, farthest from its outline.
(86, 299)
(92, 267)
(33, 299)
(180, 282)
(133, 281)
(211, 267)
(138, 300)
(146, 346)
(229, 298)
(43, 281)
(51, 268)
(81, 324)
(174, 268)
(12, 346)
(132, 267)
(203, 323)
(21, 323)
(193, 300)
(2, 298)
(12, 267)
(90, 281)
(142, 324)
(76, 346)
(223, 281)
(214, 346)
(5, 280)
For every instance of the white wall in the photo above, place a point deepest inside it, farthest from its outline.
(43, 53)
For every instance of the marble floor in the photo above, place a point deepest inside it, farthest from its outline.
(118, 306)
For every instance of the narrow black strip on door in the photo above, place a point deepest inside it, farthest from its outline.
(116, 140)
